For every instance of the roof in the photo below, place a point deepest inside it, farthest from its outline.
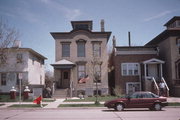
(162, 36)
(68, 34)
(172, 20)
(29, 50)
(153, 61)
(63, 62)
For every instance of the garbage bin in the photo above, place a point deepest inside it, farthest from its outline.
(13, 93)
(26, 93)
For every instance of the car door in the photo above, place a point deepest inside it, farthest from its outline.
(134, 101)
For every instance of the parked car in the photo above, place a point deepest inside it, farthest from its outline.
(138, 100)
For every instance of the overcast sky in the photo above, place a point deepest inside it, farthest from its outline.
(35, 19)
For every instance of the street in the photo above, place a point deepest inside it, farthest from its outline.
(89, 114)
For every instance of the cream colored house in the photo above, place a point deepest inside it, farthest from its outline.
(80, 54)
(21, 62)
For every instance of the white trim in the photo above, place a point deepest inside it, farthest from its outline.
(153, 61)
(127, 65)
(134, 52)
(127, 88)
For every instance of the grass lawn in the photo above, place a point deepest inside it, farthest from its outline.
(91, 99)
(6, 98)
(26, 106)
(174, 104)
(2, 104)
(81, 105)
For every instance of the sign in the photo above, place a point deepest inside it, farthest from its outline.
(20, 76)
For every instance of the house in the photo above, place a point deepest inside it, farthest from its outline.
(137, 68)
(134, 67)
(81, 60)
(168, 43)
(21, 63)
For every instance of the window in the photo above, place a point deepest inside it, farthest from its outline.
(81, 73)
(19, 58)
(97, 73)
(17, 79)
(2, 59)
(97, 92)
(97, 49)
(3, 78)
(81, 49)
(66, 50)
(130, 69)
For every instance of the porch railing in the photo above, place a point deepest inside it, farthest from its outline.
(155, 83)
(167, 88)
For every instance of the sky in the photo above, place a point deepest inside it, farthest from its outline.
(35, 19)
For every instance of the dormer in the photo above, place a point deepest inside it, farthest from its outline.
(174, 23)
(82, 25)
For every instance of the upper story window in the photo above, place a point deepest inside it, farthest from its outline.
(3, 78)
(19, 58)
(96, 49)
(65, 49)
(81, 50)
(178, 43)
(3, 59)
(129, 69)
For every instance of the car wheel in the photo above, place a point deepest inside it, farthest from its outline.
(119, 107)
(157, 107)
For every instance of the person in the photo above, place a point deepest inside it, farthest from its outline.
(162, 88)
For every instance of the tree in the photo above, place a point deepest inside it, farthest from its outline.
(8, 35)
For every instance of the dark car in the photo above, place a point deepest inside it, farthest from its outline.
(138, 100)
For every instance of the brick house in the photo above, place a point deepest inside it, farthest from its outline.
(76, 53)
(138, 68)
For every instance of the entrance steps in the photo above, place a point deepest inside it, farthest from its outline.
(60, 93)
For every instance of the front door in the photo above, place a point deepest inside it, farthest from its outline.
(65, 76)
(153, 71)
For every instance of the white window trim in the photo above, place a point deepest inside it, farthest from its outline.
(127, 84)
(128, 69)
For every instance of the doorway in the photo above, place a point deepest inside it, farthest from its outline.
(65, 78)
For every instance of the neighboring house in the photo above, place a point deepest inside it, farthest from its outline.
(80, 55)
(168, 43)
(132, 68)
(138, 68)
(21, 62)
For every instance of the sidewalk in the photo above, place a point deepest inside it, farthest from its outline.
(56, 103)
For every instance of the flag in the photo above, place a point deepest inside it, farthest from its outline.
(84, 79)
(38, 100)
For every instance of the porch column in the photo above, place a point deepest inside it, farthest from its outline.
(145, 75)
(161, 71)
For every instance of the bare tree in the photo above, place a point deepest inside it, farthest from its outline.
(8, 35)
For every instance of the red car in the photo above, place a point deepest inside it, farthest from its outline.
(138, 100)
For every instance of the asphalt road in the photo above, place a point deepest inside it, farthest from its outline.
(89, 114)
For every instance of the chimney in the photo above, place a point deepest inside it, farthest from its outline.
(114, 41)
(16, 44)
(102, 25)
(129, 37)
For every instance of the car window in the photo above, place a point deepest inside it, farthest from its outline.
(154, 95)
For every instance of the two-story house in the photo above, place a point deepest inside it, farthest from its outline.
(80, 55)
(168, 43)
(24, 63)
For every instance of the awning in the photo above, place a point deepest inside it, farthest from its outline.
(153, 61)
(63, 64)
